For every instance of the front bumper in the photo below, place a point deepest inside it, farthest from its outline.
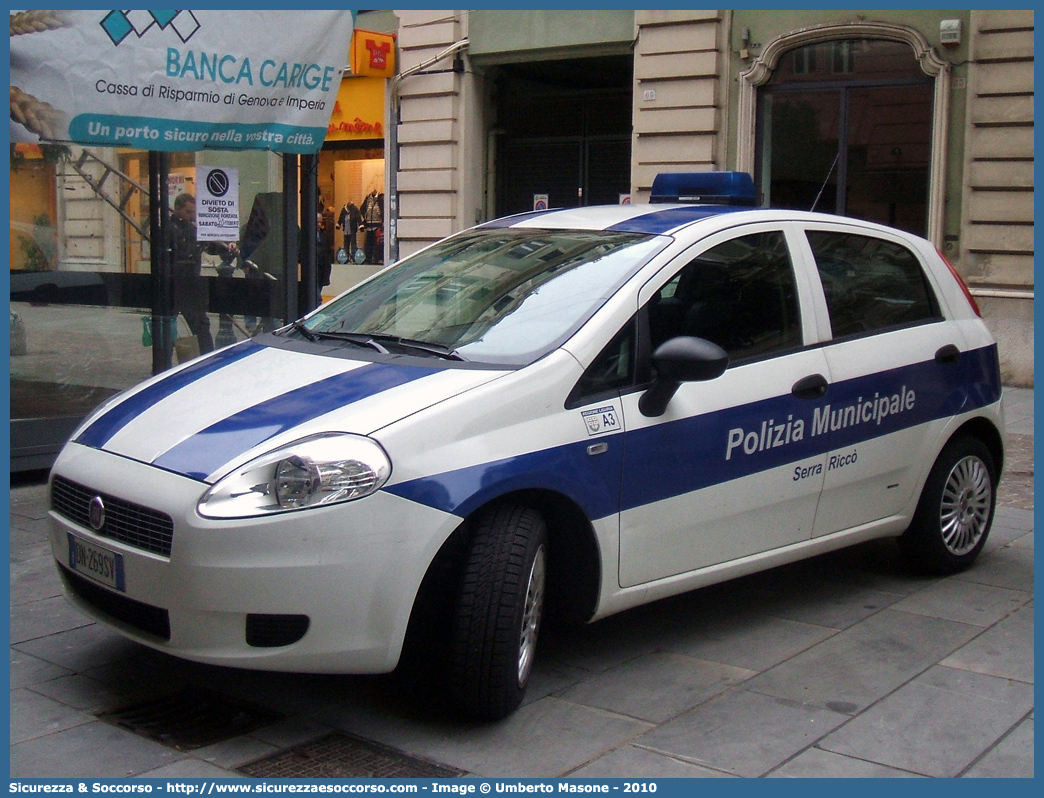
(353, 569)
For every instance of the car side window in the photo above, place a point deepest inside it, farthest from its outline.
(740, 294)
(870, 284)
(612, 370)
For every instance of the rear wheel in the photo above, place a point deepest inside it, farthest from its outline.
(956, 508)
(498, 614)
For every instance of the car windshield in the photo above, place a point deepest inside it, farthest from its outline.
(500, 296)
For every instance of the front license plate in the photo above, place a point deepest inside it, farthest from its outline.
(98, 563)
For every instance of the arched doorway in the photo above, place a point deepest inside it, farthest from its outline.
(846, 127)
(849, 119)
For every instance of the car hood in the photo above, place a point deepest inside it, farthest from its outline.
(222, 410)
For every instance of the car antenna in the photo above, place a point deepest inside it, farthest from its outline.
(825, 181)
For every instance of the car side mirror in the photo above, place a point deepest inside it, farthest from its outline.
(681, 359)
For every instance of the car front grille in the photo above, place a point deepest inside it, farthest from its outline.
(129, 523)
(145, 618)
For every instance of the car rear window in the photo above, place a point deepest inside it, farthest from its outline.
(871, 284)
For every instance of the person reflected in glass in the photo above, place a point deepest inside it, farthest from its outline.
(190, 290)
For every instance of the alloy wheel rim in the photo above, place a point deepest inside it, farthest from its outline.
(966, 502)
(531, 616)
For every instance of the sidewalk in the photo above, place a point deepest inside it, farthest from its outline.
(843, 665)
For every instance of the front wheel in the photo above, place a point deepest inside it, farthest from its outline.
(955, 511)
(498, 614)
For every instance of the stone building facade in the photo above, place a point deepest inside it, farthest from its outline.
(471, 83)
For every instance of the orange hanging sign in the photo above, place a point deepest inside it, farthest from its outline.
(373, 54)
(359, 110)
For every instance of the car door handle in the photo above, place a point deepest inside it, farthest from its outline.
(813, 386)
(948, 355)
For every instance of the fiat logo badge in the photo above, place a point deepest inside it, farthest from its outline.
(96, 513)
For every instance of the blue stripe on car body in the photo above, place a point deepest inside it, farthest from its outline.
(209, 449)
(594, 482)
(668, 460)
(679, 457)
(103, 428)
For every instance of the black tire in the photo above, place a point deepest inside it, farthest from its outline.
(955, 511)
(498, 612)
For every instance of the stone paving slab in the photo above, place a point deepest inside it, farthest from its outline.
(26, 543)
(91, 750)
(36, 620)
(34, 715)
(827, 604)
(81, 648)
(656, 687)
(743, 733)
(965, 602)
(1012, 758)
(634, 762)
(539, 740)
(1010, 567)
(1017, 479)
(291, 732)
(33, 580)
(1018, 410)
(816, 763)
(752, 641)
(26, 670)
(1001, 650)
(30, 502)
(234, 753)
(84, 693)
(938, 724)
(1025, 542)
(859, 666)
(189, 768)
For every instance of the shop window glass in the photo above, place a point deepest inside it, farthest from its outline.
(82, 320)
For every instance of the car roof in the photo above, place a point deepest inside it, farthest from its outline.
(654, 219)
(665, 219)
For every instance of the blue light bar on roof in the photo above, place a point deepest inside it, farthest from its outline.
(704, 188)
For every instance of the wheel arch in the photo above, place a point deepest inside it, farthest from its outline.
(574, 577)
(984, 430)
(574, 559)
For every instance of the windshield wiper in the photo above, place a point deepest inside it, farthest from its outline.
(362, 339)
(420, 346)
(301, 328)
(377, 341)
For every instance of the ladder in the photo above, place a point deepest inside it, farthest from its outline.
(116, 194)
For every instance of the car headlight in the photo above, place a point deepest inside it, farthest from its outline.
(321, 470)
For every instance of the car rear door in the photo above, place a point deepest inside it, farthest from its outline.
(894, 366)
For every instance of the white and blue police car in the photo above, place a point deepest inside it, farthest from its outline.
(570, 412)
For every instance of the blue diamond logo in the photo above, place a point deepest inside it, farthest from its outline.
(116, 26)
(164, 18)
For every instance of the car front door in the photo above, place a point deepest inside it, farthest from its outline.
(730, 468)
